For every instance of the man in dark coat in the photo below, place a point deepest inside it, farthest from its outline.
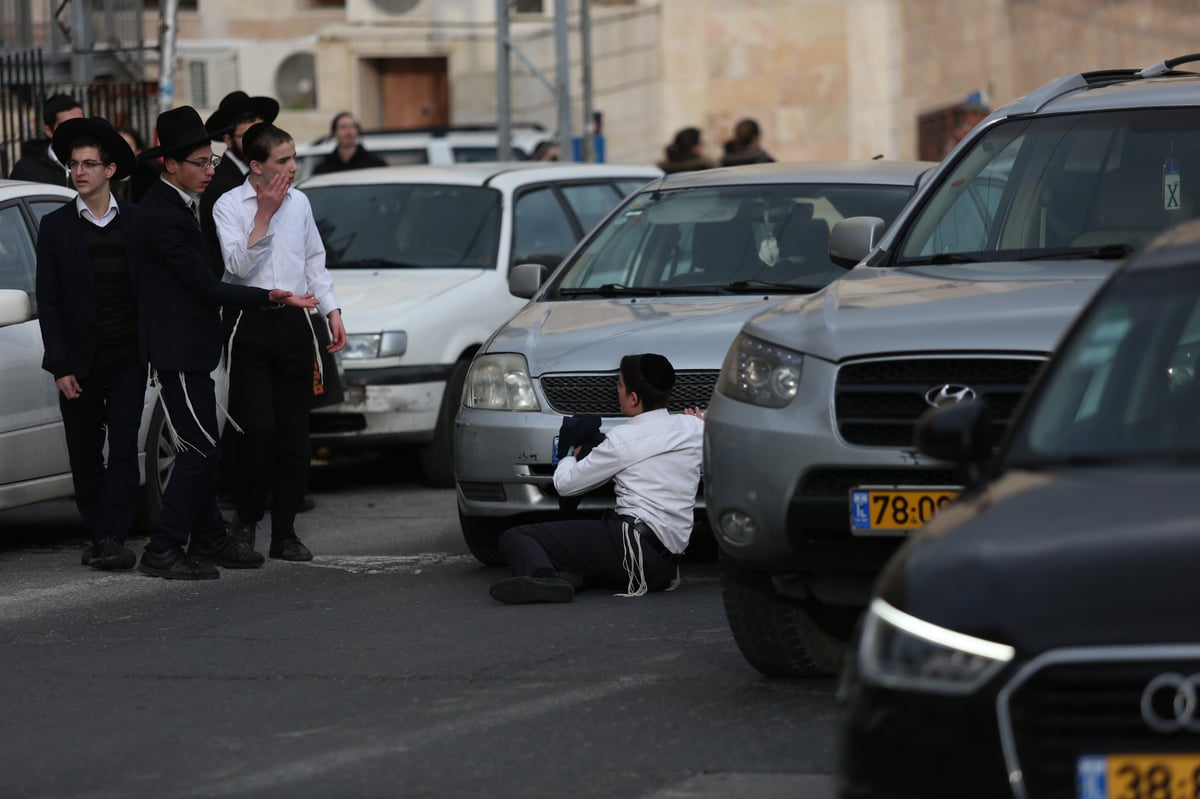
(347, 153)
(235, 115)
(88, 272)
(183, 331)
(38, 161)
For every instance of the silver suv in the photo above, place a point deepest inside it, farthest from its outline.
(812, 479)
(675, 270)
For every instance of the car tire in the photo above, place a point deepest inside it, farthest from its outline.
(159, 462)
(777, 636)
(482, 534)
(437, 457)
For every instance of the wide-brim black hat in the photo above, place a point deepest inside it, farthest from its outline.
(178, 129)
(236, 104)
(113, 143)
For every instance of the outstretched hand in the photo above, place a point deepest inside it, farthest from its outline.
(696, 411)
(294, 300)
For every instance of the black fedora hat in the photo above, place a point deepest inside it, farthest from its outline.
(236, 104)
(114, 144)
(178, 129)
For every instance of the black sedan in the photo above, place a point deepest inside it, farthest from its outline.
(1041, 636)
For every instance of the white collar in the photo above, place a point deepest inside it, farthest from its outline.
(187, 197)
(81, 206)
(242, 167)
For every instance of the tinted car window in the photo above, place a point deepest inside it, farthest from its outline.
(712, 238)
(1034, 188)
(407, 225)
(1126, 385)
(40, 208)
(591, 202)
(18, 261)
(484, 154)
(543, 232)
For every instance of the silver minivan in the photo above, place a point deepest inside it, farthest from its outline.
(675, 270)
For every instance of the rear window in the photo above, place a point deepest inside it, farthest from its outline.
(405, 225)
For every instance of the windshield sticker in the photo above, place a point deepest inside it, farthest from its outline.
(1171, 185)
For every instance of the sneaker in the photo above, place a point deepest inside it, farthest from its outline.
(290, 549)
(111, 554)
(244, 532)
(523, 590)
(88, 555)
(175, 564)
(227, 552)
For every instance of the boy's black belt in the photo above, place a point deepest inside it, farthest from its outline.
(652, 538)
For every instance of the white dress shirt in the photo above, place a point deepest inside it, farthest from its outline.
(291, 255)
(87, 214)
(654, 459)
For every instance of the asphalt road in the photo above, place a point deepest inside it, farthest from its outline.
(381, 669)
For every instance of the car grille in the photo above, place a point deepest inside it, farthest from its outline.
(597, 393)
(1094, 708)
(878, 402)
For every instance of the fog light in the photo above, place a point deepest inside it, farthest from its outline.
(737, 527)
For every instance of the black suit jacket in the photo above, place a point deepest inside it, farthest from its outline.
(227, 177)
(182, 320)
(66, 288)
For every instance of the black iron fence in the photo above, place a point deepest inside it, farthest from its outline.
(23, 90)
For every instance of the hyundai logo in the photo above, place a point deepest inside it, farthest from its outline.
(1169, 703)
(949, 394)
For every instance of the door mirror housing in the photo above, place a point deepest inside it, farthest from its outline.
(525, 279)
(962, 434)
(15, 307)
(851, 239)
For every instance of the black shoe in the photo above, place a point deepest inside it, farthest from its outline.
(307, 505)
(111, 554)
(243, 532)
(88, 555)
(523, 590)
(290, 549)
(175, 564)
(226, 552)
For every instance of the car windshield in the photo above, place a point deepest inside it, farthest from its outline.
(1126, 387)
(723, 240)
(407, 225)
(1075, 186)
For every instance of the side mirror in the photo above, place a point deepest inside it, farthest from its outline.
(525, 279)
(851, 239)
(961, 433)
(14, 307)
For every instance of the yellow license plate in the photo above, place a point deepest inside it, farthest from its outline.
(887, 509)
(1138, 776)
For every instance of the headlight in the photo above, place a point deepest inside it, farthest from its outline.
(760, 373)
(500, 382)
(375, 345)
(903, 652)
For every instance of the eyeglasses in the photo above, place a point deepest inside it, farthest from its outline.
(205, 163)
(89, 165)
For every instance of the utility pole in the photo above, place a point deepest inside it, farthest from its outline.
(167, 32)
(503, 84)
(588, 145)
(563, 57)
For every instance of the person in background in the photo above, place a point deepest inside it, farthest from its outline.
(545, 151)
(38, 161)
(348, 152)
(87, 289)
(745, 146)
(268, 235)
(236, 114)
(685, 153)
(182, 320)
(144, 174)
(654, 461)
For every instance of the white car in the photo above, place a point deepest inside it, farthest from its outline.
(449, 145)
(420, 258)
(33, 450)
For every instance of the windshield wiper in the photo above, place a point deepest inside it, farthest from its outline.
(1104, 252)
(952, 258)
(614, 290)
(373, 263)
(757, 285)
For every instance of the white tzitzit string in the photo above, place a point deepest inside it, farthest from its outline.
(631, 560)
(229, 369)
(188, 400)
(316, 347)
(173, 434)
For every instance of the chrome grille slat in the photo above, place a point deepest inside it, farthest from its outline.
(597, 393)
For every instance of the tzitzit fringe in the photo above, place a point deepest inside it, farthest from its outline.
(635, 567)
(180, 444)
(316, 347)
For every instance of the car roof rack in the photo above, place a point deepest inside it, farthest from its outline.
(1168, 66)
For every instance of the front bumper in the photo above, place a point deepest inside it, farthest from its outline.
(395, 405)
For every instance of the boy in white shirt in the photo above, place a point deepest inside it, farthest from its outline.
(654, 461)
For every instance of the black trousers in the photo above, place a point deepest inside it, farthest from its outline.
(270, 395)
(189, 507)
(592, 548)
(110, 407)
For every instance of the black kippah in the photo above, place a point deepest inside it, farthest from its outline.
(656, 371)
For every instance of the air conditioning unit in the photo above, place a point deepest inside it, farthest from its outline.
(296, 81)
(429, 12)
(204, 78)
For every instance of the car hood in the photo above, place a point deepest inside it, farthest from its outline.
(592, 335)
(1068, 558)
(374, 300)
(1017, 307)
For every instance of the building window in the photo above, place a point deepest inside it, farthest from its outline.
(198, 81)
(529, 7)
